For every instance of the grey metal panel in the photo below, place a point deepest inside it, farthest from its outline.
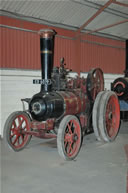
(119, 8)
(72, 13)
(121, 30)
(102, 20)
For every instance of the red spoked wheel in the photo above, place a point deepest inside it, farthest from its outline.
(108, 116)
(95, 83)
(15, 126)
(69, 137)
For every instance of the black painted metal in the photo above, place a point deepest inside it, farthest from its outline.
(47, 105)
(46, 48)
(120, 86)
(126, 69)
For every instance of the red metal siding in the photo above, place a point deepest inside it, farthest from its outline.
(110, 60)
(20, 49)
(64, 48)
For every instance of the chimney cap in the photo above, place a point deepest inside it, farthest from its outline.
(47, 33)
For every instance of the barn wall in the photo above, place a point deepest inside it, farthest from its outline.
(20, 49)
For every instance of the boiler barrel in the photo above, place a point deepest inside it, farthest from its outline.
(56, 105)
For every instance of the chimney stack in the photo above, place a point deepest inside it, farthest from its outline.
(46, 52)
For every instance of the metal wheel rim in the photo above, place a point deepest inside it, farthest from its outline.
(103, 113)
(112, 117)
(19, 124)
(72, 138)
(95, 116)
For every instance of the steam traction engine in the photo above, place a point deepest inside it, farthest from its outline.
(120, 87)
(65, 108)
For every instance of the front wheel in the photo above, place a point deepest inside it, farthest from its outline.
(69, 137)
(17, 123)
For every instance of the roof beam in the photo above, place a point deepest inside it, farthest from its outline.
(95, 15)
(120, 3)
(107, 26)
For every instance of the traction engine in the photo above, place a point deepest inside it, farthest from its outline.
(65, 108)
(120, 87)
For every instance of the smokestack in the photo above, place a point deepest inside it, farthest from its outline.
(46, 52)
(126, 68)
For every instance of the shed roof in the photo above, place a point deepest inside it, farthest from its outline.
(72, 14)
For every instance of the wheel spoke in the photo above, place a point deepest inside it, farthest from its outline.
(15, 140)
(66, 138)
(14, 123)
(69, 137)
(23, 128)
(69, 127)
(65, 144)
(95, 83)
(20, 124)
(17, 122)
(11, 136)
(70, 150)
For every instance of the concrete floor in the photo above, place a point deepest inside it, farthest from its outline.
(99, 168)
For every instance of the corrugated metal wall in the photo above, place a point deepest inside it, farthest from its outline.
(64, 48)
(20, 49)
(111, 60)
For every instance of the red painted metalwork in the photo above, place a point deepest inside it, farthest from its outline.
(74, 101)
(18, 140)
(95, 83)
(84, 120)
(120, 3)
(47, 125)
(72, 137)
(106, 116)
(95, 15)
(111, 116)
(40, 134)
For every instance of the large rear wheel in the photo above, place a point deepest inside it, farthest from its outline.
(15, 125)
(69, 137)
(106, 120)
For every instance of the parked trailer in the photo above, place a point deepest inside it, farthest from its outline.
(65, 108)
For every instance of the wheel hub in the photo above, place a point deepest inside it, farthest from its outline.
(110, 116)
(75, 137)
